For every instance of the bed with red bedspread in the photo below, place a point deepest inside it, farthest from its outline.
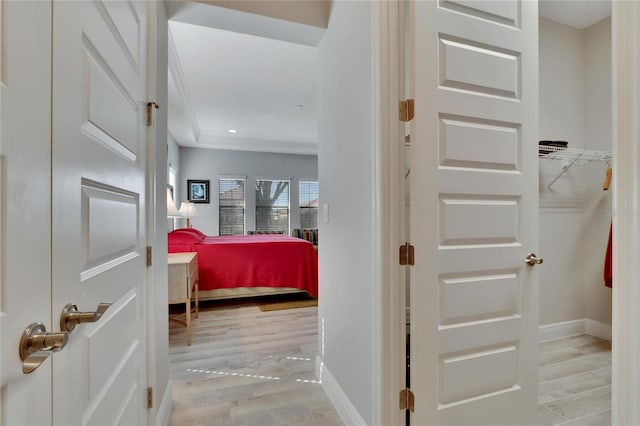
(249, 260)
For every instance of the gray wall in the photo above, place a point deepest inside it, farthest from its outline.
(345, 154)
(212, 164)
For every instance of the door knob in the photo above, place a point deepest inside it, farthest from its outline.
(70, 317)
(36, 345)
(532, 259)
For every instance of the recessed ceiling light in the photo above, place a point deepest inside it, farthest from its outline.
(299, 106)
(233, 131)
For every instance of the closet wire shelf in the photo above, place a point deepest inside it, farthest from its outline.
(571, 157)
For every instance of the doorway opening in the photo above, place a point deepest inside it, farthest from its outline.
(575, 213)
(242, 120)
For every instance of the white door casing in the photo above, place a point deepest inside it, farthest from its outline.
(474, 212)
(25, 204)
(99, 161)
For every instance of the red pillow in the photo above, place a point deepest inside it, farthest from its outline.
(191, 231)
(177, 237)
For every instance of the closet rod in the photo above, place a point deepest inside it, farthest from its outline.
(572, 155)
(559, 153)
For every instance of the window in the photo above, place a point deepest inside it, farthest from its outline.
(272, 206)
(173, 181)
(231, 207)
(308, 194)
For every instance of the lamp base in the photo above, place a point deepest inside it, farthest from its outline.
(189, 223)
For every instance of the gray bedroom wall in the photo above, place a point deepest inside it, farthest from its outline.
(212, 164)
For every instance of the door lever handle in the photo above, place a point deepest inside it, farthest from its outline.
(36, 345)
(70, 317)
(532, 259)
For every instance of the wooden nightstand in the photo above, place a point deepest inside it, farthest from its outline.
(183, 284)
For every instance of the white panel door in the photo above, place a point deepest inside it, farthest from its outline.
(474, 212)
(99, 160)
(25, 204)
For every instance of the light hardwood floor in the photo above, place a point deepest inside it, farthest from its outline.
(575, 382)
(247, 367)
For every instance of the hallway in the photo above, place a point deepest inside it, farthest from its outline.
(248, 367)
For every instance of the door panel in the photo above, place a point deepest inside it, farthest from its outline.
(99, 136)
(474, 212)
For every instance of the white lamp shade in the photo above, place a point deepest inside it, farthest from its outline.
(172, 211)
(188, 210)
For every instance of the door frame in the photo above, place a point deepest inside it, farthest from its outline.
(625, 25)
(388, 198)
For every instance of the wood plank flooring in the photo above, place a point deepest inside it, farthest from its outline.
(575, 382)
(247, 367)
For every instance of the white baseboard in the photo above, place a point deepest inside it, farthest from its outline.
(339, 399)
(319, 368)
(560, 330)
(165, 407)
(598, 329)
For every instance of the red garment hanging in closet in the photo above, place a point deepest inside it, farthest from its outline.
(608, 264)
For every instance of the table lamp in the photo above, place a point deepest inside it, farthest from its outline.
(188, 210)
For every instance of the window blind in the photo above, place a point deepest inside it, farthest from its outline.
(231, 197)
(308, 195)
(272, 206)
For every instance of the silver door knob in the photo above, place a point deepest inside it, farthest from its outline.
(70, 317)
(36, 345)
(532, 259)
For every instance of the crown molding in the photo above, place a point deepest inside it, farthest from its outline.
(176, 73)
(256, 145)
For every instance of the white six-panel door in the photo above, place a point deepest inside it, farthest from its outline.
(25, 204)
(99, 160)
(474, 209)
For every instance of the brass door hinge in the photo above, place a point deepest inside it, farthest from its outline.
(407, 254)
(149, 256)
(407, 400)
(406, 110)
(149, 397)
(150, 107)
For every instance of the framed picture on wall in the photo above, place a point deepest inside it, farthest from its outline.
(198, 191)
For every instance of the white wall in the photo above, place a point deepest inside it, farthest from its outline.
(561, 118)
(345, 152)
(211, 164)
(561, 84)
(575, 106)
(598, 132)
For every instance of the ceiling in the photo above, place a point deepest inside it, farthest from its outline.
(579, 14)
(262, 84)
(230, 69)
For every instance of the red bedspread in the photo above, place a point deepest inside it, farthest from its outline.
(251, 261)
